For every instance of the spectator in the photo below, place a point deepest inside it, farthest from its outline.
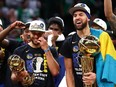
(100, 24)
(10, 45)
(56, 38)
(55, 31)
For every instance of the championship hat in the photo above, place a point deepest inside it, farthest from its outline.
(100, 23)
(37, 25)
(80, 7)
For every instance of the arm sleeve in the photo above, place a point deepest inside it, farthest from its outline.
(66, 48)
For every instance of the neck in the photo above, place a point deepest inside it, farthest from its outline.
(84, 32)
(33, 45)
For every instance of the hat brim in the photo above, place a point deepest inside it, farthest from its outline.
(37, 30)
(73, 9)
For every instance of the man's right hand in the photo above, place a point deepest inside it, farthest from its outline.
(17, 25)
(89, 78)
(19, 76)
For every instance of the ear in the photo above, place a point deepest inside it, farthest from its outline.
(21, 36)
(88, 19)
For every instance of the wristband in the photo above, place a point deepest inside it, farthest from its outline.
(47, 50)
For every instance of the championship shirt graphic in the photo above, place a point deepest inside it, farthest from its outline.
(37, 63)
(76, 60)
(38, 66)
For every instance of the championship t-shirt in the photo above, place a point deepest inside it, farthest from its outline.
(36, 64)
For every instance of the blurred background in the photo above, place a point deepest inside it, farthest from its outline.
(28, 10)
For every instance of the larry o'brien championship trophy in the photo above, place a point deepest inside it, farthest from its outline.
(17, 65)
(89, 46)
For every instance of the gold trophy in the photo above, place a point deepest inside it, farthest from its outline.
(17, 65)
(89, 46)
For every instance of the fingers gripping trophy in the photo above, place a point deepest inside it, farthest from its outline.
(17, 65)
(89, 46)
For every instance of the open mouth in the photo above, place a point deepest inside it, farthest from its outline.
(78, 23)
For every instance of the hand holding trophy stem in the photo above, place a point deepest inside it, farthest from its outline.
(17, 65)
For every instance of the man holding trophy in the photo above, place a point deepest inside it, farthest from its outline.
(35, 64)
(90, 57)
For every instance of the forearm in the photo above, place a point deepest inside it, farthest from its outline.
(15, 25)
(111, 17)
(52, 63)
(108, 9)
(70, 79)
(69, 72)
(5, 32)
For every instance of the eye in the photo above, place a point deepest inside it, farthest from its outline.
(81, 14)
(55, 29)
(74, 15)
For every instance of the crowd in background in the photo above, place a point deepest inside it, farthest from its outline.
(27, 10)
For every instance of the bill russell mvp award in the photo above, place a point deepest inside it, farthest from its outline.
(17, 65)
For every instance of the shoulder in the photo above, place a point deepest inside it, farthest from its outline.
(96, 32)
(71, 35)
(72, 38)
(13, 42)
(22, 47)
(99, 33)
(105, 35)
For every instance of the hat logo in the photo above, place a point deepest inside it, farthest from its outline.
(36, 26)
(41, 25)
(97, 20)
(82, 5)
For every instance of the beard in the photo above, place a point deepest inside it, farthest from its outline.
(34, 42)
(81, 27)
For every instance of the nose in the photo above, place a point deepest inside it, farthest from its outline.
(76, 18)
(36, 36)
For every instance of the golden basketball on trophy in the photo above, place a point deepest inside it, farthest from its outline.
(16, 64)
(89, 46)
